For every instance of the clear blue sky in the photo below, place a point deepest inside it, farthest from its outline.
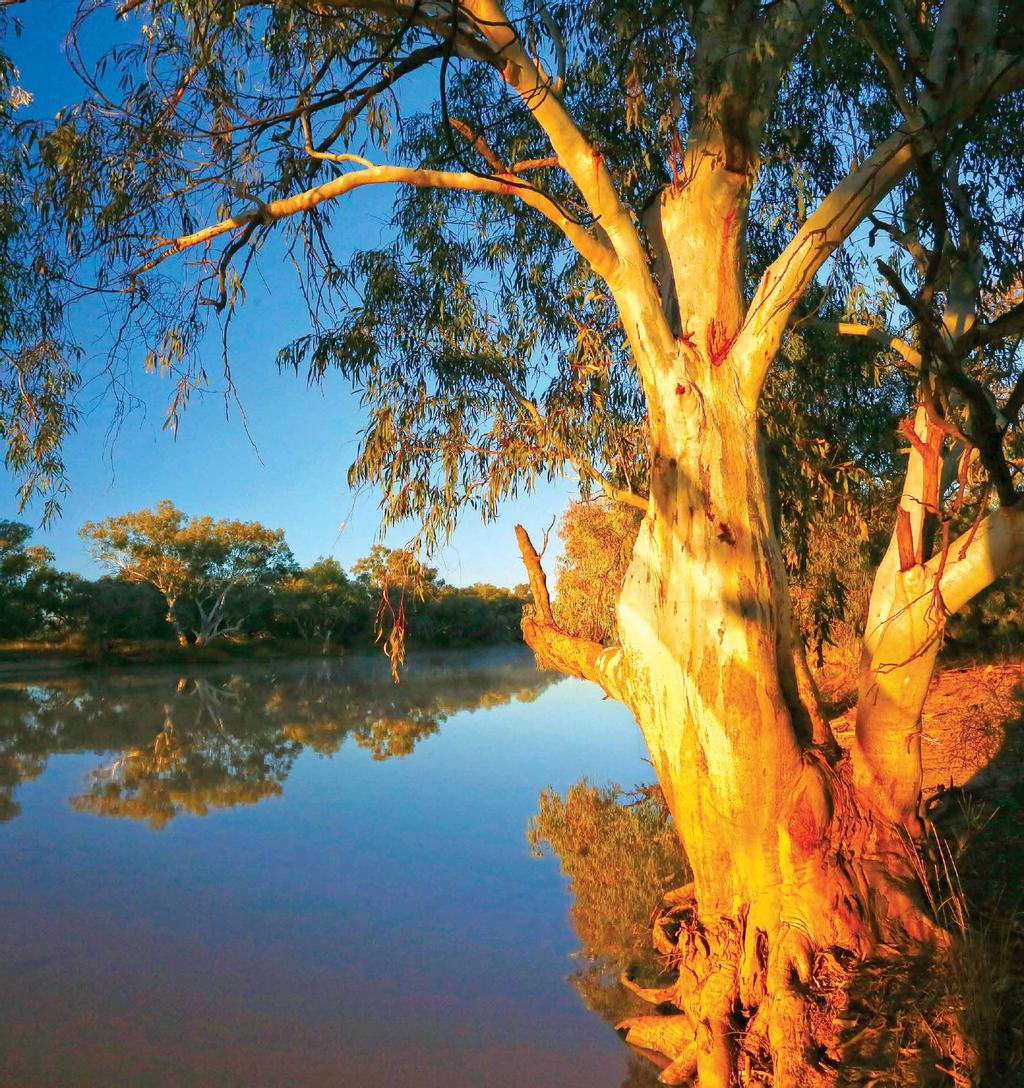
(289, 471)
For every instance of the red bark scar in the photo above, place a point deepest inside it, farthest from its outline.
(719, 343)
(803, 826)
(681, 390)
(686, 339)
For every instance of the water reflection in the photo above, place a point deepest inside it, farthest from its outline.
(189, 744)
(620, 855)
(382, 924)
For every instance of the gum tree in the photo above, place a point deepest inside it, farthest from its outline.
(31, 590)
(196, 562)
(612, 220)
(323, 603)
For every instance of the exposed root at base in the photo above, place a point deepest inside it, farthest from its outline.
(799, 1017)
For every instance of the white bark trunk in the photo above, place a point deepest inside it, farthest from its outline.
(912, 596)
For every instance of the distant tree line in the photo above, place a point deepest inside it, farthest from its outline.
(197, 579)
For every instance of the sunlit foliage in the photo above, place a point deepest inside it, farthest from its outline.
(322, 603)
(196, 562)
(38, 359)
(597, 542)
(30, 587)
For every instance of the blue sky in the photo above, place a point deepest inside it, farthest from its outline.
(289, 470)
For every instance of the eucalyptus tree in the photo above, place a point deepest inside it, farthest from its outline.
(38, 371)
(608, 218)
(31, 590)
(196, 562)
(321, 602)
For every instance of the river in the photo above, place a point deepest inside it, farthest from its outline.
(296, 875)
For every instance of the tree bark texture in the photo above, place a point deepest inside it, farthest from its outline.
(796, 847)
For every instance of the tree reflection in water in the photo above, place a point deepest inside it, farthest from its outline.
(173, 745)
(230, 737)
(620, 856)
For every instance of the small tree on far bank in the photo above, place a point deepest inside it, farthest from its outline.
(191, 560)
(322, 603)
(30, 588)
(395, 569)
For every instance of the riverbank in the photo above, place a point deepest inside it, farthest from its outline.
(22, 657)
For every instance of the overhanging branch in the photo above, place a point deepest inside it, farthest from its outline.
(567, 653)
(910, 355)
(591, 248)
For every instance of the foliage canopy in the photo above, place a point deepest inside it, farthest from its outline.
(487, 347)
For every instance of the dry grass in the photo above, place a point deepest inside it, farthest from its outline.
(908, 1013)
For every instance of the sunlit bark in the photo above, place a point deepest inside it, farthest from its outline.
(795, 847)
(791, 851)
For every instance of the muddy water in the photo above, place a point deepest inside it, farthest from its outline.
(295, 875)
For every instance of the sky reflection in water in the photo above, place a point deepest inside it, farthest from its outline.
(339, 917)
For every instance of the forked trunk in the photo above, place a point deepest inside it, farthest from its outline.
(902, 635)
(789, 857)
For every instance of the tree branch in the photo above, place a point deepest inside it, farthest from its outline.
(1010, 323)
(631, 283)
(590, 247)
(860, 191)
(450, 20)
(911, 43)
(979, 556)
(909, 354)
(538, 579)
(894, 73)
(907, 297)
(790, 274)
(480, 145)
(619, 494)
(579, 657)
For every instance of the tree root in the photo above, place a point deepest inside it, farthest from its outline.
(753, 1005)
(660, 995)
(668, 1035)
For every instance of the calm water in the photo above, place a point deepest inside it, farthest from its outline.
(296, 875)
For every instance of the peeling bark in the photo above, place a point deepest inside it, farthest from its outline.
(797, 853)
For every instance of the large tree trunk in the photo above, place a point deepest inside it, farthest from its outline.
(789, 857)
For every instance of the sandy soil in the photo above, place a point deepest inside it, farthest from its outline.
(973, 729)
